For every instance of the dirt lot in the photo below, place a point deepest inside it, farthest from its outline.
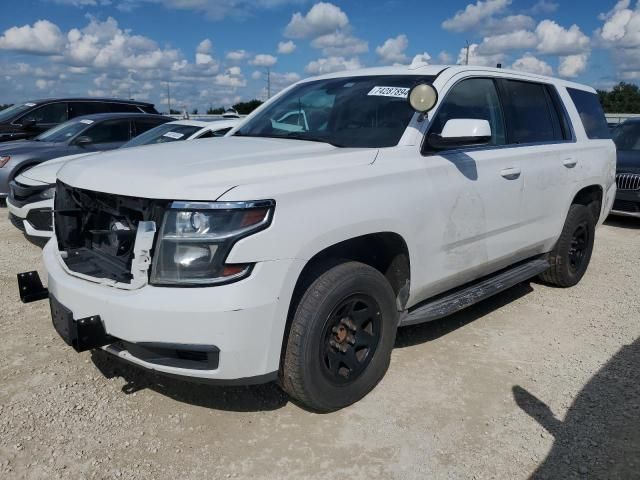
(539, 381)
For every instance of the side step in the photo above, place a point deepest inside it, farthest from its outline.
(476, 292)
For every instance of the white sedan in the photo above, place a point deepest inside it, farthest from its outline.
(30, 199)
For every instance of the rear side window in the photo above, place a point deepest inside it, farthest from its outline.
(531, 114)
(110, 131)
(78, 109)
(591, 113)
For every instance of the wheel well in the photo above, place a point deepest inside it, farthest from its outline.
(387, 252)
(590, 197)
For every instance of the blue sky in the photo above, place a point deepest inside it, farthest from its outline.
(216, 51)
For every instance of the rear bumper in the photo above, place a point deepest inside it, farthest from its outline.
(245, 320)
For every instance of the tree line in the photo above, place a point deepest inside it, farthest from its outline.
(243, 108)
(623, 98)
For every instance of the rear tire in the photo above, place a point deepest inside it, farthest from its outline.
(571, 255)
(341, 337)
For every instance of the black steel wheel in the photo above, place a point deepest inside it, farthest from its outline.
(341, 337)
(572, 253)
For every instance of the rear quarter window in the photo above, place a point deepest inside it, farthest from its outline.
(591, 113)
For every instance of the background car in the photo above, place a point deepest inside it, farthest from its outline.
(90, 133)
(29, 119)
(31, 197)
(627, 139)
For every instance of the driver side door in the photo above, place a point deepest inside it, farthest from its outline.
(109, 134)
(477, 191)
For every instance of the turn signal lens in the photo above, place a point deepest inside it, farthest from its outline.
(4, 160)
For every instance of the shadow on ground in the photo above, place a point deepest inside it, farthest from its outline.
(600, 436)
(237, 399)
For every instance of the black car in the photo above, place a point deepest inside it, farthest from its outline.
(627, 139)
(90, 133)
(29, 119)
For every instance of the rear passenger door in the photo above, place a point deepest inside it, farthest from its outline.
(541, 141)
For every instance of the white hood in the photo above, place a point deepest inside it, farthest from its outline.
(45, 173)
(205, 169)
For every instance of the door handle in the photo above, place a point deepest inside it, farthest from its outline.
(569, 162)
(510, 173)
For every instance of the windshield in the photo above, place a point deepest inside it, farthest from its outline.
(365, 112)
(14, 110)
(64, 132)
(627, 136)
(166, 132)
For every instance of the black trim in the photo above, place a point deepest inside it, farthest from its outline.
(30, 287)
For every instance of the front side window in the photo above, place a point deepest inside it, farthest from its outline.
(50, 113)
(78, 109)
(367, 112)
(111, 131)
(591, 113)
(474, 98)
(626, 136)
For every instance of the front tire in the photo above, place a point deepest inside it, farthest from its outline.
(572, 254)
(341, 337)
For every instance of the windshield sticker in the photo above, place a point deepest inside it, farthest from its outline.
(396, 92)
(174, 135)
(29, 104)
(86, 122)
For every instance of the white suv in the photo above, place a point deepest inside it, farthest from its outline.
(295, 248)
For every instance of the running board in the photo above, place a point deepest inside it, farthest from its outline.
(476, 292)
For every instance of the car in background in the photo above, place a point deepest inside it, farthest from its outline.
(29, 119)
(90, 133)
(627, 139)
(31, 194)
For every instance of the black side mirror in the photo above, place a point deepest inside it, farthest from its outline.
(28, 123)
(83, 141)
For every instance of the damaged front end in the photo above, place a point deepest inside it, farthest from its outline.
(106, 238)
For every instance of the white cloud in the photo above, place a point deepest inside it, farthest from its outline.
(557, 40)
(531, 64)
(393, 50)
(445, 58)
(42, 84)
(285, 48)
(256, 75)
(340, 44)
(321, 19)
(620, 33)
(264, 60)
(520, 39)
(474, 14)
(332, 64)
(573, 65)
(543, 7)
(205, 46)
(476, 58)
(237, 55)
(420, 60)
(501, 25)
(43, 38)
(232, 77)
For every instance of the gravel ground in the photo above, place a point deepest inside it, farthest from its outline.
(538, 382)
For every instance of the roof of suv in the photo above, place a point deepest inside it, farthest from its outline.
(435, 70)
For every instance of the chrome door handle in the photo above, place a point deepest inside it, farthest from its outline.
(569, 162)
(510, 173)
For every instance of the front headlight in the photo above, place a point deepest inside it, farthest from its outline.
(196, 238)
